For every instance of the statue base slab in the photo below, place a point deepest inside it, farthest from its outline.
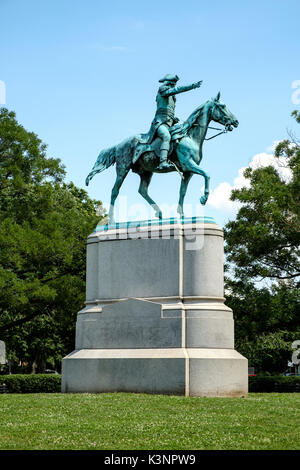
(190, 372)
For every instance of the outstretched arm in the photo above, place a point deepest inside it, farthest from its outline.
(180, 89)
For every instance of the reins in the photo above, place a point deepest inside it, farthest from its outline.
(224, 131)
(216, 129)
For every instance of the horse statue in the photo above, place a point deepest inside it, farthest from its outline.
(185, 154)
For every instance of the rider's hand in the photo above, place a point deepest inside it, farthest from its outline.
(198, 84)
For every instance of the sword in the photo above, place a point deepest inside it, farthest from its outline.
(177, 169)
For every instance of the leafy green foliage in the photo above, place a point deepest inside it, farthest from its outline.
(43, 231)
(263, 243)
(264, 240)
(277, 383)
(23, 157)
(51, 383)
(262, 310)
(269, 351)
(31, 383)
(266, 323)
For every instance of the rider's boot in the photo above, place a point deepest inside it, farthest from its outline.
(164, 164)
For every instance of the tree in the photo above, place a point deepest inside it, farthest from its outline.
(44, 223)
(266, 322)
(263, 243)
(270, 352)
(264, 240)
(262, 310)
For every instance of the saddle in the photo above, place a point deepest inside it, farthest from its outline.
(176, 131)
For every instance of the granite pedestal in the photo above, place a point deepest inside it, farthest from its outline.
(155, 319)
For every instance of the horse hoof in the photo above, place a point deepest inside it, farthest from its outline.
(203, 200)
(158, 214)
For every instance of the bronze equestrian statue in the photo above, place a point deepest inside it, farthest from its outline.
(168, 146)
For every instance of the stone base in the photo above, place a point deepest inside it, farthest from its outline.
(155, 319)
(189, 372)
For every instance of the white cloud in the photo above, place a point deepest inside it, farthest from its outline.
(219, 197)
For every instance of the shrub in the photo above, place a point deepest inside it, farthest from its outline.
(274, 383)
(46, 383)
(30, 383)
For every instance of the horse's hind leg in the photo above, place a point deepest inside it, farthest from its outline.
(143, 190)
(115, 193)
(183, 187)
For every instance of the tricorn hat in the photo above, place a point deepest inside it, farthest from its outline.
(169, 78)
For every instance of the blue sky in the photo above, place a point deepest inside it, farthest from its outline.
(83, 75)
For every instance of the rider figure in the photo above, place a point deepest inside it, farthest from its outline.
(164, 117)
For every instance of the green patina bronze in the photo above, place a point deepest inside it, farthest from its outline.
(135, 224)
(168, 146)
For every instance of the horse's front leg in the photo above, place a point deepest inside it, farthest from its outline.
(204, 198)
(191, 166)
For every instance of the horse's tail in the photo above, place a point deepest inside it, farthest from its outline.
(105, 159)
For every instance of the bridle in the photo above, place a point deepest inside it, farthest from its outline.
(216, 129)
(224, 131)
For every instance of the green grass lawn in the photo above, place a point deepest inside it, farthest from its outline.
(138, 421)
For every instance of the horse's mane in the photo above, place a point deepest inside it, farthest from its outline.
(183, 129)
(194, 116)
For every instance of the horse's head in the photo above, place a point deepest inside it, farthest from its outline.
(222, 115)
